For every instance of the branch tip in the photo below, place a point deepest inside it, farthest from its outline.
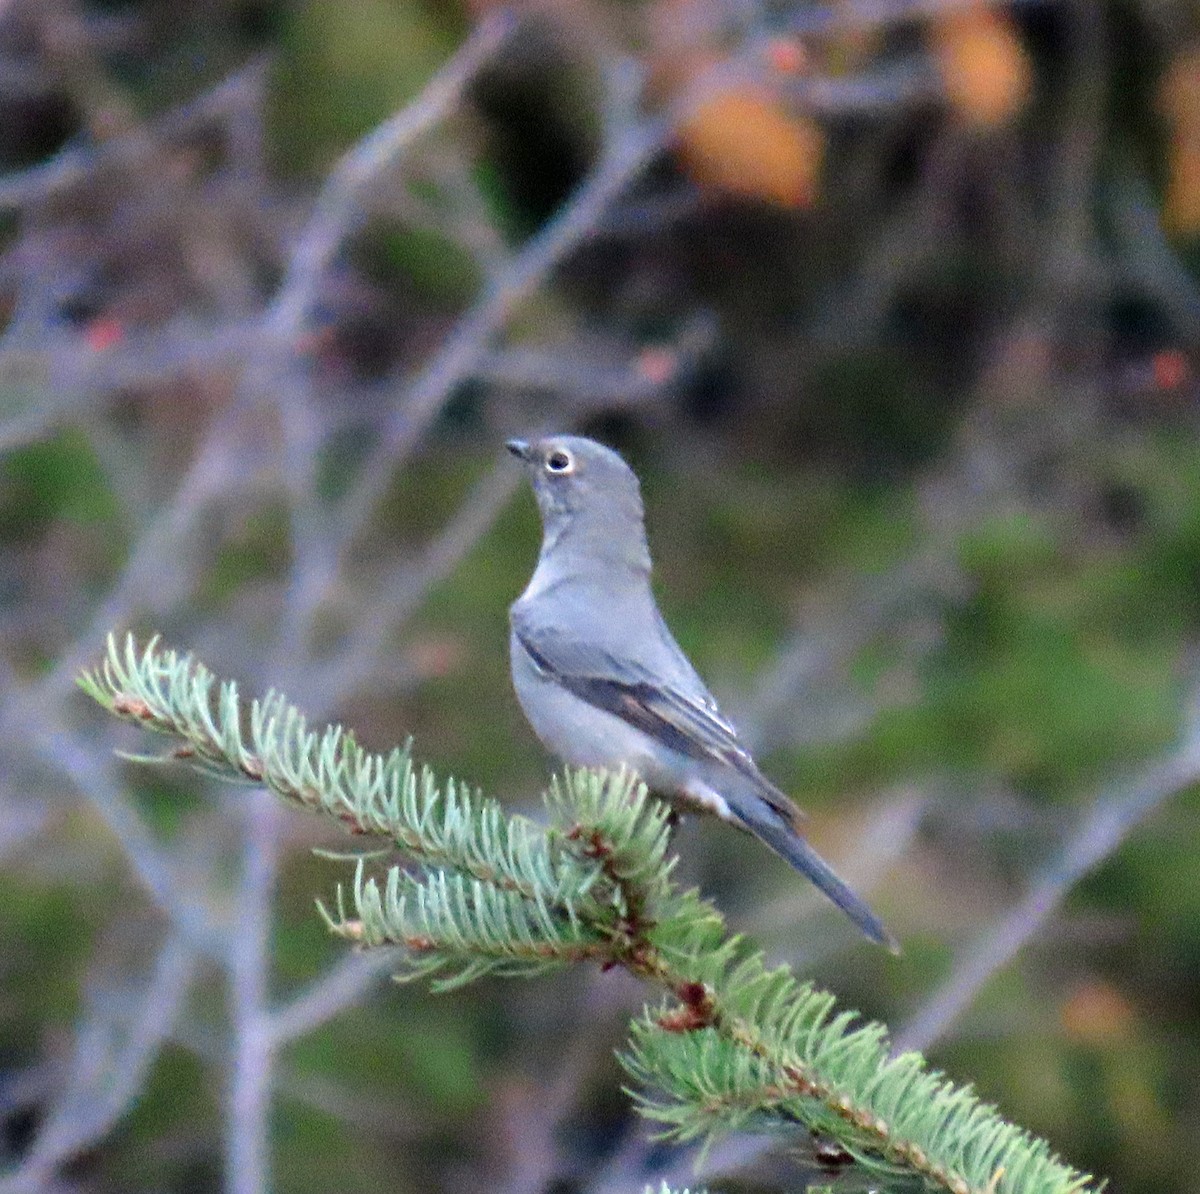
(493, 893)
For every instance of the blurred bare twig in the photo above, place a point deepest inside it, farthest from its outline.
(112, 1053)
(1107, 824)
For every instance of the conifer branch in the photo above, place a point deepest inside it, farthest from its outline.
(731, 1045)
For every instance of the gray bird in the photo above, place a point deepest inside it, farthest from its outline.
(603, 682)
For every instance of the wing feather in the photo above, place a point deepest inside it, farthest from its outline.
(691, 725)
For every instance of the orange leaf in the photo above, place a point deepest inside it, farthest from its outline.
(1181, 203)
(1179, 91)
(745, 142)
(984, 67)
(1179, 98)
(1096, 1013)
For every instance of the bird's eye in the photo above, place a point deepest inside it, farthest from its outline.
(559, 462)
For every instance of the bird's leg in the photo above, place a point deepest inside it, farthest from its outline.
(674, 820)
(674, 813)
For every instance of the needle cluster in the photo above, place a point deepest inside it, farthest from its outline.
(728, 1043)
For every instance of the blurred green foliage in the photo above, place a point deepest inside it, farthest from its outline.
(345, 67)
(56, 478)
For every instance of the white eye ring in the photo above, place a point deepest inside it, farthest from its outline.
(560, 461)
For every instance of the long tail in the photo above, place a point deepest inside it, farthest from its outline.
(789, 844)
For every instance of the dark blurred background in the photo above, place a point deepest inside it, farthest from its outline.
(895, 307)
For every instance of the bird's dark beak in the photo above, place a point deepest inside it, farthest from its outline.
(519, 448)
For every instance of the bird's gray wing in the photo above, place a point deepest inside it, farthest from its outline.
(691, 725)
(688, 723)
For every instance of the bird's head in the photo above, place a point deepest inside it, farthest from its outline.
(586, 494)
